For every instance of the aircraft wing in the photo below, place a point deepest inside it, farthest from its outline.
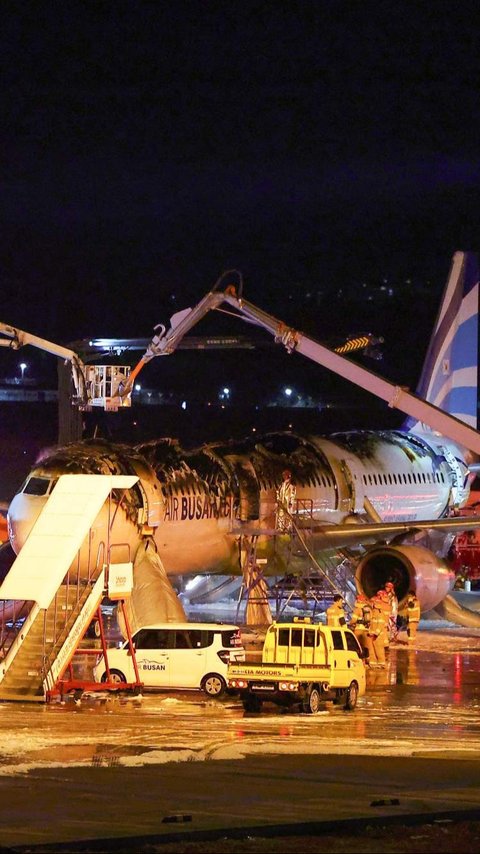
(352, 534)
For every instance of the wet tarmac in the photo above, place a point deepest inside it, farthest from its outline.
(66, 767)
(424, 701)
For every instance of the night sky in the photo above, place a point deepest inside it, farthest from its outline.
(147, 147)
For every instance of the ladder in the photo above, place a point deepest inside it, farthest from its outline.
(56, 602)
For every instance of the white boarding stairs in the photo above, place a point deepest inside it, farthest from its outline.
(60, 613)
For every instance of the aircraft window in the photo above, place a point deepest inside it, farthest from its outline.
(337, 639)
(409, 476)
(296, 637)
(375, 479)
(37, 486)
(352, 643)
(309, 638)
(365, 479)
(22, 487)
(283, 637)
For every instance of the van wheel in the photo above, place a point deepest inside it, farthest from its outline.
(351, 696)
(252, 703)
(214, 685)
(311, 704)
(116, 676)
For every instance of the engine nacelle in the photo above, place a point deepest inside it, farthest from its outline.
(409, 568)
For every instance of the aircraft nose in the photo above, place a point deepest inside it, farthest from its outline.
(23, 512)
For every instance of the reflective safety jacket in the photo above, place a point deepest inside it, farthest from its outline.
(361, 614)
(379, 621)
(383, 603)
(413, 609)
(335, 615)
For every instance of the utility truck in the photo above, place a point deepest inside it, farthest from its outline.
(303, 664)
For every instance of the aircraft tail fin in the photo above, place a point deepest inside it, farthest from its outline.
(449, 377)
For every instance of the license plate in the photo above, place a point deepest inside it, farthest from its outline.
(260, 687)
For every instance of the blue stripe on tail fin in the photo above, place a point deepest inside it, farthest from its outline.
(449, 377)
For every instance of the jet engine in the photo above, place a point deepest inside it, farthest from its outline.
(409, 568)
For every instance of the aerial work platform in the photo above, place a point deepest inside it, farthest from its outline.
(37, 649)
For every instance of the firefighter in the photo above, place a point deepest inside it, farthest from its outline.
(360, 622)
(383, 602)
(413, 616)
(392, 620)
(377, 632)
(286, 496)
(336, 611)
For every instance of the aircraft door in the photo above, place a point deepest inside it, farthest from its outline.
(352, 473)
(153, 652)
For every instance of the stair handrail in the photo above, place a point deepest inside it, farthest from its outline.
(19, 639)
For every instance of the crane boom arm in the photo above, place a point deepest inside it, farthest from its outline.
(395, 396)
(16, 338)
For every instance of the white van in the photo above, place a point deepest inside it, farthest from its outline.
(177, 656)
